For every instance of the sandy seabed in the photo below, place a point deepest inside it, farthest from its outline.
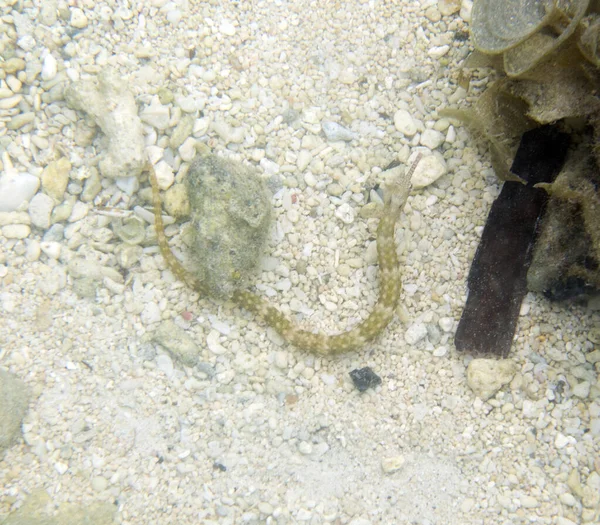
(257, 431)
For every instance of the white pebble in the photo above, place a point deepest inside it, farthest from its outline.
(129, 185)
(228, 133)
(281, 359)
(561, 441)
(334, 131)
(78, 18)
(165, 364)
(392, 464)
(150, 314)
(446, 324)
(174, 16)
(310, 179)
(99, 483)
(305, 447)
(227, 28)
(156, 114)
(40, 208)
(269, 167)
(467, 505)
(187, 150)
(448, 7)
(431, 139)
(80, 210)
(61, 468)
(568, 499)
(466, 7)
(450, 135)
(164, 175)
(304, 159)
(16, 231)
(10, 102)
(564, 521)
(440, 351)
(345, 213)
(429, 169)
(16, 188)
(51, 249)
(529, 502)
(405, 123)
(33, 251)
(582, 389)
(438, 51)
(212, 341)
(415, 333)
(49, 67)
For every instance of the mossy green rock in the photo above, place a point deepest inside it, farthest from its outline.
(231, 214)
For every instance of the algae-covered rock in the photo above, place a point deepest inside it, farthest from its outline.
(14, 398)
(231, 214)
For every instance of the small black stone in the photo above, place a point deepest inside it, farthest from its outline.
(364, 378)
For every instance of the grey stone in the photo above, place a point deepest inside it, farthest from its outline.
(14, 398)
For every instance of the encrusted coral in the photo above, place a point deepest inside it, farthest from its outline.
(111, 105)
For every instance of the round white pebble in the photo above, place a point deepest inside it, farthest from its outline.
(431, 139)
(429, 169)
(405, 123)
(415, 333)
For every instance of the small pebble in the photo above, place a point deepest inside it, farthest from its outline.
(404, 123)
(227, 28)
(446, 324)
(529, 502)
(429, 169)
(415, 333)
(99, 483)
(16, 231)
(40, 208)
(440, 351)
(16, 188)
(438, 51)
(78, 18)
(561, 441)
(392, 464)
(165, 364)
(364, 378)
(345, 213)
(334, 131)
(51, 249)
(49, 67)
(582, 389)
(431, 139)
(305, 448)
